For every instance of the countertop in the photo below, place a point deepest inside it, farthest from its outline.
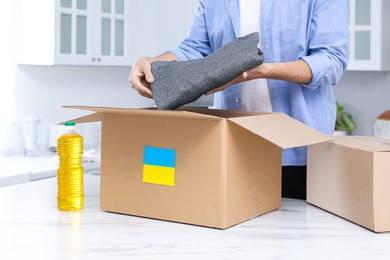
(15, 169)
(31, 227)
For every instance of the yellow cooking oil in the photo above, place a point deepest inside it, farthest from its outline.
(70, 174)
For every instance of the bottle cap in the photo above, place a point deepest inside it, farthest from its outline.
(70, 124)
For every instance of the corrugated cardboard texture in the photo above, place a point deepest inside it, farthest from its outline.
(95, 117)
(223, 113)
(382, 191)
(348, 178)
(150, 112)
(253, 172)
(281, 130)
(198, 193)
(227, 166)
(366, 143)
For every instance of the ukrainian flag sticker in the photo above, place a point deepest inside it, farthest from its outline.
(159, 166)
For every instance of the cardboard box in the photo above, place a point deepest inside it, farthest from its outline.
(206, 167)
(350, 177)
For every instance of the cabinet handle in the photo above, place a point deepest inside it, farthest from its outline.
(93, 59)
(99, 59)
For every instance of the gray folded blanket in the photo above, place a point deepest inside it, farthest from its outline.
(177, 83)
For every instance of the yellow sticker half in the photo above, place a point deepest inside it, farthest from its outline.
(159, 175)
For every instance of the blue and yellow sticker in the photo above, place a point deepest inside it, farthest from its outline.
(159, 166)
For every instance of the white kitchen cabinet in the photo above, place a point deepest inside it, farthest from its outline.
(369, 36)
(158, 26)
(74, 32)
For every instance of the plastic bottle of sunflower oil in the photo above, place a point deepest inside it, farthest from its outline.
(70, 174)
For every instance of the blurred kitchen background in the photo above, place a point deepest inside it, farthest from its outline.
(39, 83)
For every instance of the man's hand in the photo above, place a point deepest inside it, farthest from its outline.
(141, 77)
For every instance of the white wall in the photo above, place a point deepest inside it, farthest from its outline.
(7, 58)
(41, 91)
(366, 95)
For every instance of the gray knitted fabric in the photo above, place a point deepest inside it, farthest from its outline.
(177, 83)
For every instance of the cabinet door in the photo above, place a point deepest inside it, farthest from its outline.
(368, 40)
(158, 26)
(142, 29)
(73, 32)
(92, 32)
(172, 20)
(111, 38)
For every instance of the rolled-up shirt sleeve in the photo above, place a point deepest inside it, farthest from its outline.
(328, 43)
(196, 44)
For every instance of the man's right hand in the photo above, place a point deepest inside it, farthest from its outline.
(141, 77)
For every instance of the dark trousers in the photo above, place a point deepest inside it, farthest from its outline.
(294, 182)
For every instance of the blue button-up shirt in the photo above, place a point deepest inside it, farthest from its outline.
(315, 31)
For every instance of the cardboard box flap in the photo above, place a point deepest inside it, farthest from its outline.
(367, 143)
(281, 130)
(223, 113)
(153, 112)
(94, 117)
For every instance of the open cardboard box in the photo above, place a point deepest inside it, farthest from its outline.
(350, 177)
(206, 167)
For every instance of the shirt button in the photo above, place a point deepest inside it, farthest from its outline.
(237, 100)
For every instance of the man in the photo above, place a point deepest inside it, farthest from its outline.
(305, 45)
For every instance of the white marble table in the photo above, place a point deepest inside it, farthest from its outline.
(32, 228)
